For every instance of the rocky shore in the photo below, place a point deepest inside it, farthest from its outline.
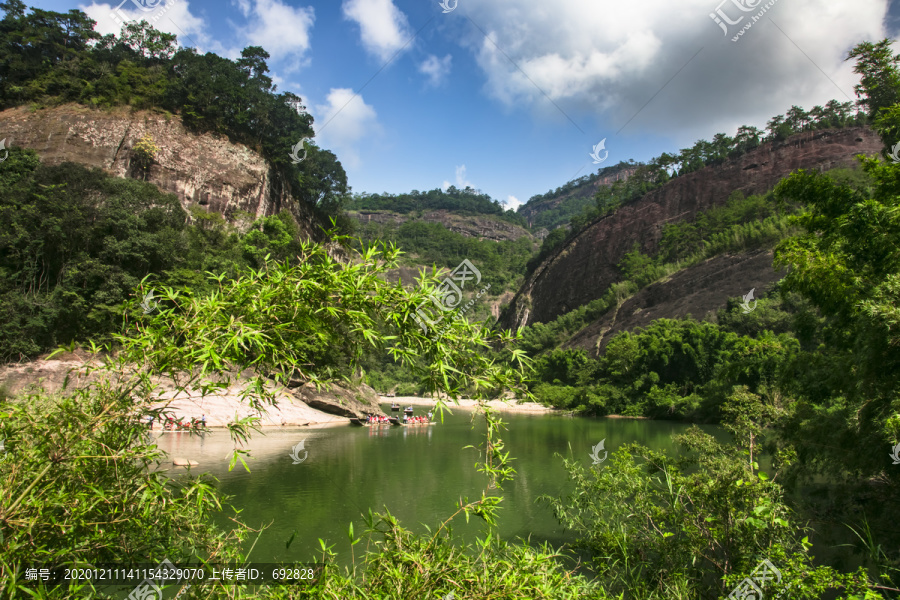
(297, 405)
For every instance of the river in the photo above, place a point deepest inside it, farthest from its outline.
(419, 473)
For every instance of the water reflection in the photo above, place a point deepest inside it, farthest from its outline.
(418, 472)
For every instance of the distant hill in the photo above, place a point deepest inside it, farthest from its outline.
(557, 207)
(441, 228)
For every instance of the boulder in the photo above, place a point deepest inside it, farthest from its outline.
(183, 462)
(342, 400)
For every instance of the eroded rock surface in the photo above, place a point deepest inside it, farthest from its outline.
(584, 268)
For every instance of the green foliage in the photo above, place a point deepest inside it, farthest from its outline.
(691, 526)
(741, 224)
(846, 264)
(680, 369)
(48, 58)
(77, 487)
(501, 263)
(435, 566)
(144, 153)
(570, 199)
(467, 201)
(571, 209)
(76, 243)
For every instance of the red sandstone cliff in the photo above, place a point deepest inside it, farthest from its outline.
(201, 169)
(585, 267)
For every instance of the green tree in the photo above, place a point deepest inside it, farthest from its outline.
(847, 264)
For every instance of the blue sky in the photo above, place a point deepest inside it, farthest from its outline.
(510, 96)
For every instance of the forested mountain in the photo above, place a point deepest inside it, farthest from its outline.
(581, 200)
(49, 58)
(466, 202)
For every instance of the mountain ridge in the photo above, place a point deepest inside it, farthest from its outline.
(583, 268)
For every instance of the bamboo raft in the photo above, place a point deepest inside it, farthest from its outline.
(362, 423)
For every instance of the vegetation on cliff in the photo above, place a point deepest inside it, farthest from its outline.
(571, 218)
(466, 202)
(49, 58)
(76, 242)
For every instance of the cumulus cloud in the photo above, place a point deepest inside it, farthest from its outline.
(461, 181)
(171, 16)
(436, 69)
(613, 58)
(512, 203)
(345, 119)
(281, 29)
(383, 28)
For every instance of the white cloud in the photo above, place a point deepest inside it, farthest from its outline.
(171, 16)
(342, 121)
(436, 69)
(461, 181)
(612, 58)
(512, 203)
(281, 29)
(243, 6)
(384, 29)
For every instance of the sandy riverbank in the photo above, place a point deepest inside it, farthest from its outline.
(221, 409)
(507, 405)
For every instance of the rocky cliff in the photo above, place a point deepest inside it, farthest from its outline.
(203, 170)
(584, 268)
(698, 292)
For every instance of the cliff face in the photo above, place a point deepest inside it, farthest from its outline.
(201, 169)
(698, 291)
(483, 227)
(585, 267)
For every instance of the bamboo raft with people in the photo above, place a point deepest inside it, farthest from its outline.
(171, 425)
(373, 421)
(378, 420)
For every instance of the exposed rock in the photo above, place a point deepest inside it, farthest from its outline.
(341, 400)
(219, 408)
(183, 462)
(584, 268)
(698, 291)
(201, 169)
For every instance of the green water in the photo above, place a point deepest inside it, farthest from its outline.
(418, 473)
